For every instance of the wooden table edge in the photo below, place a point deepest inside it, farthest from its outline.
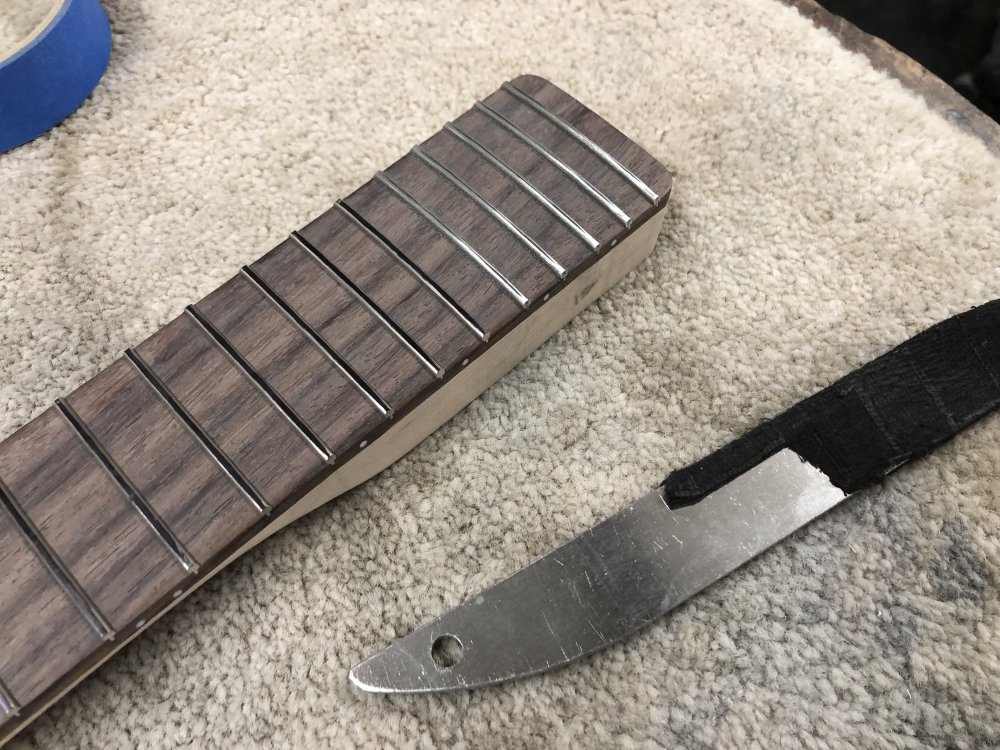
(939, 96)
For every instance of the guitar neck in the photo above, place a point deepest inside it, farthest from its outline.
(309, 370)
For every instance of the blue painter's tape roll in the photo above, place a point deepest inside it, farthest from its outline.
(53, 71)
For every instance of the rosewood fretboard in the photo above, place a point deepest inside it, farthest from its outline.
(120, 497)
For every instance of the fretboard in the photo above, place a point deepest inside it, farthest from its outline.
(129, 491)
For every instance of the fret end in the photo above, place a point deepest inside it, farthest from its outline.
(8, 704)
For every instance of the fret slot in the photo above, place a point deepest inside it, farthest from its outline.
(490, 209)
(55, 566)
(432, 286)
(228, 407)
(627, 174)
(179, 478)
(218, 455)
(45, 633)
(484, 153)
(149, 515)
(498, 278)
(584, 184)
(365, 301)
(345, 367)
(262, 385)
(87, 521)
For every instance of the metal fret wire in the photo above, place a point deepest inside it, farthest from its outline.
(483, 152)
(571, 130)
(502, 281)
(489, 208)
(584, 184)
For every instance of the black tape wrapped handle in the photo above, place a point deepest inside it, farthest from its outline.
(896, 408)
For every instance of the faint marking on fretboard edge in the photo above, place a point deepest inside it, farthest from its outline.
(160, 527)
(627, 174)
(265, 389)
(414, 270)
(352, 375)
(54, 564)
(484, 263)
(201, 437)
(484, 153)
(370, 305)
(586, 185)
(472, 194)
(8, 705)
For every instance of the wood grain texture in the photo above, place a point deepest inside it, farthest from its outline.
(471, 223)
(527, 213)
(560, 189)
(588, 122)
(87, 519)
(466, 283)
(262, 444)
(396, 290)
(359, 336)
(178, 477)
(573, 153)
(228, 412)
(44, 635)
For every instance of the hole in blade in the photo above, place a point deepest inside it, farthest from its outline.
(447, 651)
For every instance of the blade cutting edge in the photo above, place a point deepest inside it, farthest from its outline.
(605, 584)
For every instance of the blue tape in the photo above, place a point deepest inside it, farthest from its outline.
(44, 81)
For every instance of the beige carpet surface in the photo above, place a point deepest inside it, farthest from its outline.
(821, 214)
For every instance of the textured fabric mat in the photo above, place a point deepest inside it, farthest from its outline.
(821, 215)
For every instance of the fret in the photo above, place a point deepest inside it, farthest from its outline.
(491, 270)
(346, 328)
(203, 439)
(393, 288)
(55, 566)
(365, 301)
(585, 184)
(182, 475)
(594, 169)
(535, 169)
(627, 174)
(44, 633)
(489, 208)
(333, 357)
(406, 295)
(463, 280)
(621, 148)
(272, 396)
(8, 706)
(484, 153)
(511, 259)
(79, 510)
(161, 529)
(228, 408)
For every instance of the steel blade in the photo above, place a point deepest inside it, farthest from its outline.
(603, 585)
